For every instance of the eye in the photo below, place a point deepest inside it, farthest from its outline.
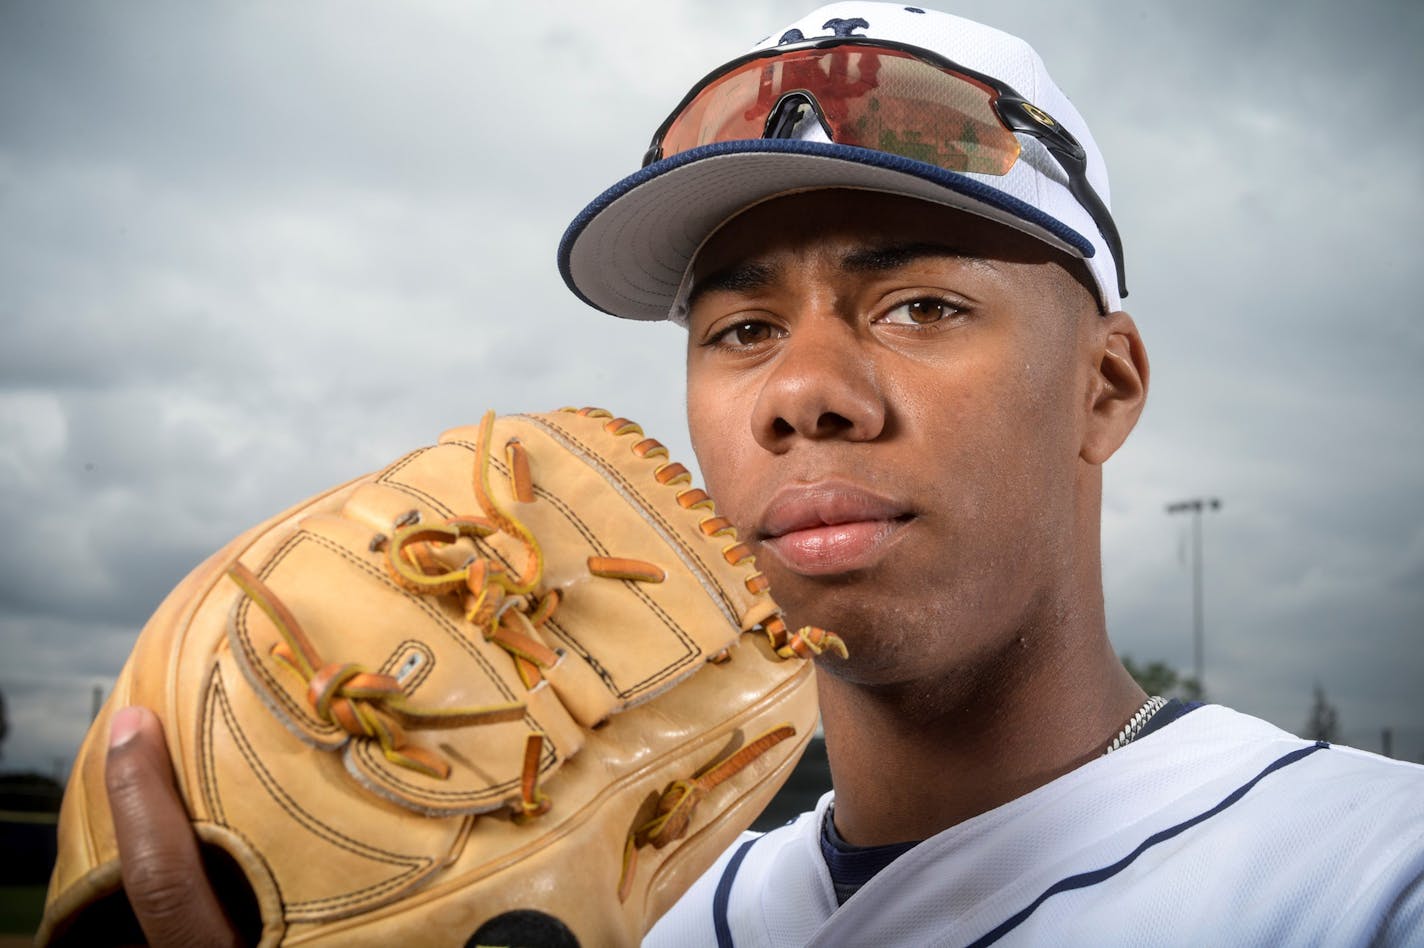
(744, 335)
(925, 311)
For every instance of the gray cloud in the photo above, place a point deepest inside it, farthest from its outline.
(248, 251)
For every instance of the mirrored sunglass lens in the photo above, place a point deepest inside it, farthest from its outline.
(872, 98)
(913, 109)
(724, 111)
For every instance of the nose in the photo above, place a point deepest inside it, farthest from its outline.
(822, 386)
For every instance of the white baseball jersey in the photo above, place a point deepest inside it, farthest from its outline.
(1218, 829)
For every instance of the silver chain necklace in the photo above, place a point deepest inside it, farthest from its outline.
(1136, 723)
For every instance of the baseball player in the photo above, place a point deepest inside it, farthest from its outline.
(888, 234)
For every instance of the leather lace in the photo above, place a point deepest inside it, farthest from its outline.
(673, 814)
(361, 702)
(504, 602)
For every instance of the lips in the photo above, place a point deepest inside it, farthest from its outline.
(830, 527)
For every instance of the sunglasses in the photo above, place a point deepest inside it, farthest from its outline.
(884, 96)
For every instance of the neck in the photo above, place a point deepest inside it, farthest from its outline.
(913, 759)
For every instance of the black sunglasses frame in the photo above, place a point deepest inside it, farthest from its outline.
(1017, 114)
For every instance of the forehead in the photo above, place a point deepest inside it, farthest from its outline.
(849, 225)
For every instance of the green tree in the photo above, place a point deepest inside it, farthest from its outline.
(1324, 723)
(1159, 678)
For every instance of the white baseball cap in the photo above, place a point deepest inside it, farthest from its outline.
(630, 251)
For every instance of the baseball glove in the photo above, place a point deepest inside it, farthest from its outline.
(524, 674)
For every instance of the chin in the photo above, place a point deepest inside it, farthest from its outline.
(864, 599)
(872, 635)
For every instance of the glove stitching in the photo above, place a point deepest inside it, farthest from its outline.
(700, 567)
(691, 656)
(278, 689)
(359, 747)
(329, 833)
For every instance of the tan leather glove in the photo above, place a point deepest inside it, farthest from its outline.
(527, 668)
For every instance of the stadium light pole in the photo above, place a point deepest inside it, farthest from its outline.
(1195, 506)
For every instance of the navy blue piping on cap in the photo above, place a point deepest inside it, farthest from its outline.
(1086, 879)
(723, 896)
(950, 180)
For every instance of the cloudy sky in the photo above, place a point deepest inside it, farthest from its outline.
(249, 250)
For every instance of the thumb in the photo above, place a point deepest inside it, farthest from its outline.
(158, 852)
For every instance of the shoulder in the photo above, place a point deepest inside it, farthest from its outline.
(1240, 775)
(1219, 828)
(1302, 839)
(725, 904)
(1222, 745)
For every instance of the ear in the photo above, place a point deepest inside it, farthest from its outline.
(1117, 386)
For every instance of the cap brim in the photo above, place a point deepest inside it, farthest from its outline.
(627, 252)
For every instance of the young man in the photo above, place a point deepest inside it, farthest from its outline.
(906, 365)
(888, 236)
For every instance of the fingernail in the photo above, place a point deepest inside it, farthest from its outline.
(124, 726)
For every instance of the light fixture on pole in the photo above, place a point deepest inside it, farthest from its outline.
(1195, 506)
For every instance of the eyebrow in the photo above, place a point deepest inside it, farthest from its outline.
(895, 256)
(738, 278)
(751, 275)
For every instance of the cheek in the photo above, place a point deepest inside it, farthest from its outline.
(1031, 461)
(999, 439)
(719, 429)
